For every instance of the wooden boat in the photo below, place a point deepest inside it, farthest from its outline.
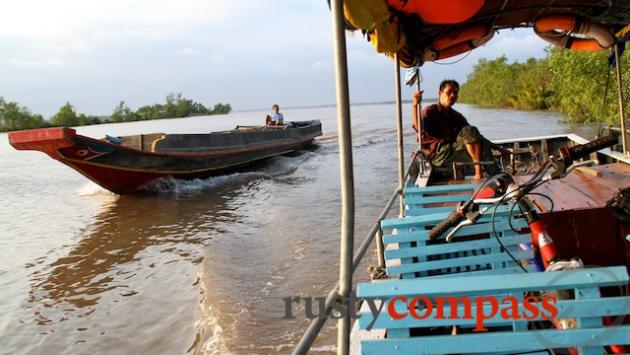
(474, 265)
(123, 164)
(435, 292)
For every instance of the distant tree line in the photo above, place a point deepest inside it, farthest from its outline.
(570, 82)
(15, 117)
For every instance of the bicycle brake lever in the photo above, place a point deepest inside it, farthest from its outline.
(471, 218)
(463, 223)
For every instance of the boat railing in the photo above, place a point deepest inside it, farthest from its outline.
(318, 323)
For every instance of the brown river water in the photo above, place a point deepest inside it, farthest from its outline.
(202, 266)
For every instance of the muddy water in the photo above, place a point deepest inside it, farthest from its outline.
(200, 266)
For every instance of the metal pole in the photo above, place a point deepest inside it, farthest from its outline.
(316, 325)
(380, 249)
(401, 157)
(624, 142)
(419, 113)
(346, 174)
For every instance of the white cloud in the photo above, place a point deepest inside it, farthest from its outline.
(320, 65)
(50, 62)
(188, 52)
(516, 45)
(217, 57)
(136, 33)
(66, 18)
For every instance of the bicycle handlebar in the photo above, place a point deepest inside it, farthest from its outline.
(568, 155)
(452, 220)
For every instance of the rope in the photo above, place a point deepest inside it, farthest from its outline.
(376, 273)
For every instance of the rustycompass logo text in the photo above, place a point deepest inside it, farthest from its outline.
(479, 309)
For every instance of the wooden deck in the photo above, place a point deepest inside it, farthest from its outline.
(580, 223)
(583, 189)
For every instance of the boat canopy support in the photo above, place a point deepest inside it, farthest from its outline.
(346, 173)
(399, 130)
(624, 141)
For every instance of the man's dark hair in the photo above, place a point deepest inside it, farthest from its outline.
(274, 106)
(448, 82)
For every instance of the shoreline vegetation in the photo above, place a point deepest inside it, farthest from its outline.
(15, 117)
(570, 82)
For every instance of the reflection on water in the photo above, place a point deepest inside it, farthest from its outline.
(127, 235)
(119, 233)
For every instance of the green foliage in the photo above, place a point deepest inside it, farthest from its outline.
(221, 109)
(14, 117)
(579, 83)
(122, 113)
(570, 82)
(490, 83)
(175, 106)
(66, 116)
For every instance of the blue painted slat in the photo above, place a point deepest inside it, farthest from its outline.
(417, 221)
(501, 223)
(566, 309)
(414, 210)
(584, 321)
(494, 284)
(405, 261)
(471, 260)
(408, 221)
(418, 200)
(519, 325)
(503, 271)
(439, 189)
(507, 240)
(398, 333)
(506, 342)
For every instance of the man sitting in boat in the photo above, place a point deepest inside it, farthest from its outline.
(276, 118)
(446, 135)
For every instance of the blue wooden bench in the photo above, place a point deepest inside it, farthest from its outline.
(416, 256)
(503, 335)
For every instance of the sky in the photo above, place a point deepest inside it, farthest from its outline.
(250, 54)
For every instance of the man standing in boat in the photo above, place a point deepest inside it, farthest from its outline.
(446, 135)
(276, 117)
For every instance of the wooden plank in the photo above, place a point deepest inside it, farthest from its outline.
(438, 189)
(432, 219)
(494, 284)
(479, 228)
(588, 320)
(415, 210)
(418, 200)
(471, 260)
(580, 191)
(506, 342)
(504, 271)
(427, 250)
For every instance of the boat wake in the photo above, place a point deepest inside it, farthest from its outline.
(92, 189)
(170, 185)
(210, 338)
(277, 169)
